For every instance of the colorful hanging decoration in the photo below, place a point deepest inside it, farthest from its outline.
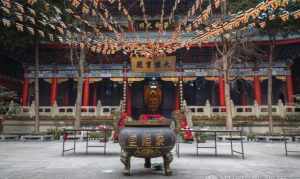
(237, 21)
(174, 8)
(142, 6)
(192, 11)
(161, 24)
(50, 24)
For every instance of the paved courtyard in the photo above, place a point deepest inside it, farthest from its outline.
(43, 160)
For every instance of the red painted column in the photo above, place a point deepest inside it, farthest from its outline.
(244, 99)
(25, 90)
(130, 27)
(257, 90)
(53, 93)
(129, 111)
(66, 99)
(290, 89)
(221, 91)
(86, 92)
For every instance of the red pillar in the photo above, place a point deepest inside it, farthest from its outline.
(66, 98)
(244, 98)
(25, 90)
(290, 90)
(257, 90)
(86, 94)
(130, 27)
(129, 111)
(53, 94)
(221, 91)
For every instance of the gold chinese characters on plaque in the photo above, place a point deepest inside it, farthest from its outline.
(132, 140)
(159, 140)
(158, 64)
(146, 140)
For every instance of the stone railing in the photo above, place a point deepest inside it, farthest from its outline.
(209, 111)
(60, 111)
(280, 110)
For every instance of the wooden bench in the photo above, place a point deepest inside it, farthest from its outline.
(36, 138)
(262, 138)
(8, 137)
(273, 138)
(297, 138)
(233, 138)
(72, 137)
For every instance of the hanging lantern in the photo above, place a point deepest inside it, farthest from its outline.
(6, 4)
(19, 8)
(31, 2)
(262, 24)
(30, 30)
(284, 17)
(6, 22)
(75, 3)
(93, 48)
(85, 9)
(41, 33)
(51, 37)
(284, 3)
(19, 17)
(60, 30)
(46, 7)
(272, 17)
(296, 14)
(60, 39)
(20, 27)
(93, 12)
(31, 20)
(81, 45)
(95, 3)
(6, 10)
(31, 11)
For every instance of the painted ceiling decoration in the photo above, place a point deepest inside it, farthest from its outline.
(94, 25)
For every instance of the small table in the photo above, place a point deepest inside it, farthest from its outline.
(215, 147)
(290, 132)
(73, 132)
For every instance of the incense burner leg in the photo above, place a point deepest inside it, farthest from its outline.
(125, 159)
(168, 158)
(147, 163)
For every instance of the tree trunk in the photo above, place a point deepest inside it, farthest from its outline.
(79, 88)
(36, 89)
(270, 92)
(225, 59)
(227, 93)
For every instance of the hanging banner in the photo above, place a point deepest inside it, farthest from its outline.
(158, 64)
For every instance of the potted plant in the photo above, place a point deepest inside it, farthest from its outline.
(56, 133)
(201, 138)
(251, 137)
